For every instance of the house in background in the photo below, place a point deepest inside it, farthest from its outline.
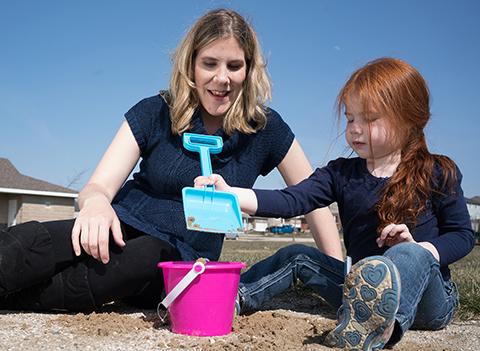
(24, 198)
(473, 206)
(261, 224)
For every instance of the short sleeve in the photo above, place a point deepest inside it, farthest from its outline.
(278, 139)
(142, 119)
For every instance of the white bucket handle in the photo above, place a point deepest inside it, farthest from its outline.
(197, 269)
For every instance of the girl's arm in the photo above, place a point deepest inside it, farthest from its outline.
(97, 217)
(294, 168)
(310, 194)
(303, 198)
(456, 238)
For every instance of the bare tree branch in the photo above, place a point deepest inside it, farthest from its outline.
(76, 179)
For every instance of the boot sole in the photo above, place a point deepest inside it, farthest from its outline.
(371, 296)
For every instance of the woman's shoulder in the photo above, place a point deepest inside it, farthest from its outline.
(149, 120)
(275, 126)
(273, 116)
(153, 103)
(150, 112)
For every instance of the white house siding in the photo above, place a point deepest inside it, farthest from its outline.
(260, 225)
(474, 211)
(272, 222)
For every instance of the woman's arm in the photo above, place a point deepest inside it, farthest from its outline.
(294, 168)
(97, 217)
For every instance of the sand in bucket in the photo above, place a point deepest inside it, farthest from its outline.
(206, 307)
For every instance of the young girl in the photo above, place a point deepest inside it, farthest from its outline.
(403, 214)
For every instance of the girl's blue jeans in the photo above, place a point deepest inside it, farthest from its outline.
(426, 301)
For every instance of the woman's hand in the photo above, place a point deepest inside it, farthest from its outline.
(97, 217)
(213, 179)
(92, 228)
(394, 234)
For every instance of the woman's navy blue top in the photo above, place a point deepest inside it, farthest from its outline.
(445, 223)
(152, 200)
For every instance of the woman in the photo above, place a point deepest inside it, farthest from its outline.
(219, 86)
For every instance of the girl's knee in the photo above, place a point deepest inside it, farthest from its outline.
(407, 249)
(410, 256)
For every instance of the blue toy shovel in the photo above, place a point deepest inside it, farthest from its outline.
(205, 209)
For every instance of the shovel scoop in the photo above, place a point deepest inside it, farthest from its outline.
(206, 209)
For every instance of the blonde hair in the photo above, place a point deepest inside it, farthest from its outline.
(249, 106)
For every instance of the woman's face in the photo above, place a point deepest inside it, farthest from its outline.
(220, 70)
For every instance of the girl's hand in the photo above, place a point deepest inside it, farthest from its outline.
(394, 234)
(213, 179)
(246, 197)
(92, 229)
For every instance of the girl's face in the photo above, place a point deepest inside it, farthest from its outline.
(220, 70)
(369, 135)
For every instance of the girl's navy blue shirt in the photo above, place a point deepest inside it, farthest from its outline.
(152, 201)
(445, 223)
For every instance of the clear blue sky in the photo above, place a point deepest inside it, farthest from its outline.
(69, 70)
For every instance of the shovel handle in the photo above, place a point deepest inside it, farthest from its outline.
(204, 145)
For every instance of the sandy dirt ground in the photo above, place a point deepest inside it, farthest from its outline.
(295, 320)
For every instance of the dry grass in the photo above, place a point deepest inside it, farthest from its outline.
(466, 273)
(250, 252)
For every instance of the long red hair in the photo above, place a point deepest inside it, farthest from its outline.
(398, 91)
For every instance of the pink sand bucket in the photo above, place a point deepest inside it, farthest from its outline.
(200, 296)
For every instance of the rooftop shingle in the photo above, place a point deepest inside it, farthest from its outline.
(10, 177)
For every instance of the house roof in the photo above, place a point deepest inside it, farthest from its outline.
(11, 178)
(474, 200)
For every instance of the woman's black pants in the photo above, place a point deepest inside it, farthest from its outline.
(39, 270)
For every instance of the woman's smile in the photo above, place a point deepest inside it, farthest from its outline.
(219, 94)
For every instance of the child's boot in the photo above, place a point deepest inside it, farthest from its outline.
(371, 296)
